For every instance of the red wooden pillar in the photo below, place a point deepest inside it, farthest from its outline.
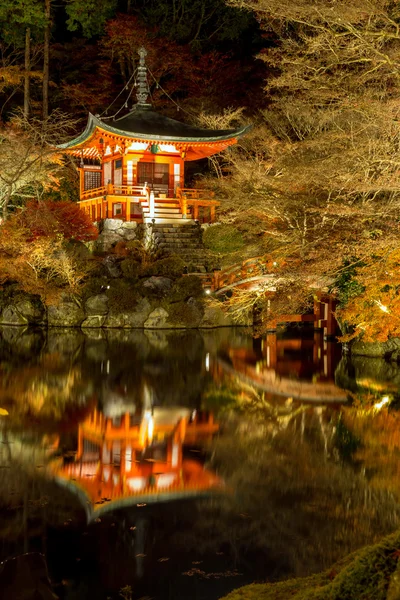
(331, 323)
(319, 312)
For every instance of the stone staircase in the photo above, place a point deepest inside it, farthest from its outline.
(183, 239)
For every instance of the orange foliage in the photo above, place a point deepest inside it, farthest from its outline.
(34, 251)
(375, 313)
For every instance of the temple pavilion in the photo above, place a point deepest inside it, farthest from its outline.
(133, 168)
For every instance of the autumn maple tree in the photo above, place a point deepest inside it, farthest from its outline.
(35, 251)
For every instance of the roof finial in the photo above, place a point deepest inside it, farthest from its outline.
(143, 86)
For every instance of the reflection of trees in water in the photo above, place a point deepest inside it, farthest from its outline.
(379, 449)
(295, 507)
(47, 375)
(30, 504)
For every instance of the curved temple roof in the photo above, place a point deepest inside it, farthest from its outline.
(145, 124)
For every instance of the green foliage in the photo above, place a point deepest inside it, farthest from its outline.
(17, 15)
(89, 15)
(346, 283)
(131, 268)
(187, 287)
(171, 267)
(223, 239)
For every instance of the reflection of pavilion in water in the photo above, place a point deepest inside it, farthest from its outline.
(133, 458)
(302, 368)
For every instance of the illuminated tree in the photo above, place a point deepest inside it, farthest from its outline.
(318, 180)
(30, 164)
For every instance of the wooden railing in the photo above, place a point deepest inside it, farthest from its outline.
(117, 190)
(191, 198)
(193, 203)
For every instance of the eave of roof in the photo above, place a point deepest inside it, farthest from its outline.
(141, 124)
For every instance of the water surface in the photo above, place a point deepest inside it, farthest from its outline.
(185, 464)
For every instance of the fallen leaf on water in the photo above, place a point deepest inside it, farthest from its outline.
(141, 504)
(140, 555)
(163, 559)
(132, 528)
(3, 412)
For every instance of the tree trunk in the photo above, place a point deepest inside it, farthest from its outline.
(4, 207)
(46, 56)
(27, 71)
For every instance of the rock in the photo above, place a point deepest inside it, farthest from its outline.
(112, 265)
(97, 305)
(161, 285)
(11, 316)
(134, 318)
(23, 310)
(157, 319)
(129, 231)
(215, 317)
(115, 230)
(377, 349)
(106, 241)
(93, 321)
(65, 314)
(25, 577)
(111, 224)
(32, 309)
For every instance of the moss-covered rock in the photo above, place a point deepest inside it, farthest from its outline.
(389, 349)
(363, 575)
(185, 288)
(185, 314)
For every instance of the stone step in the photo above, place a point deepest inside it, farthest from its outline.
(192, 234)
(189, 224)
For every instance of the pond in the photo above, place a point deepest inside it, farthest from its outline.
(181, 465)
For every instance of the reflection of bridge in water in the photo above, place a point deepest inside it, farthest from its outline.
(138, 458)
(298, 368)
